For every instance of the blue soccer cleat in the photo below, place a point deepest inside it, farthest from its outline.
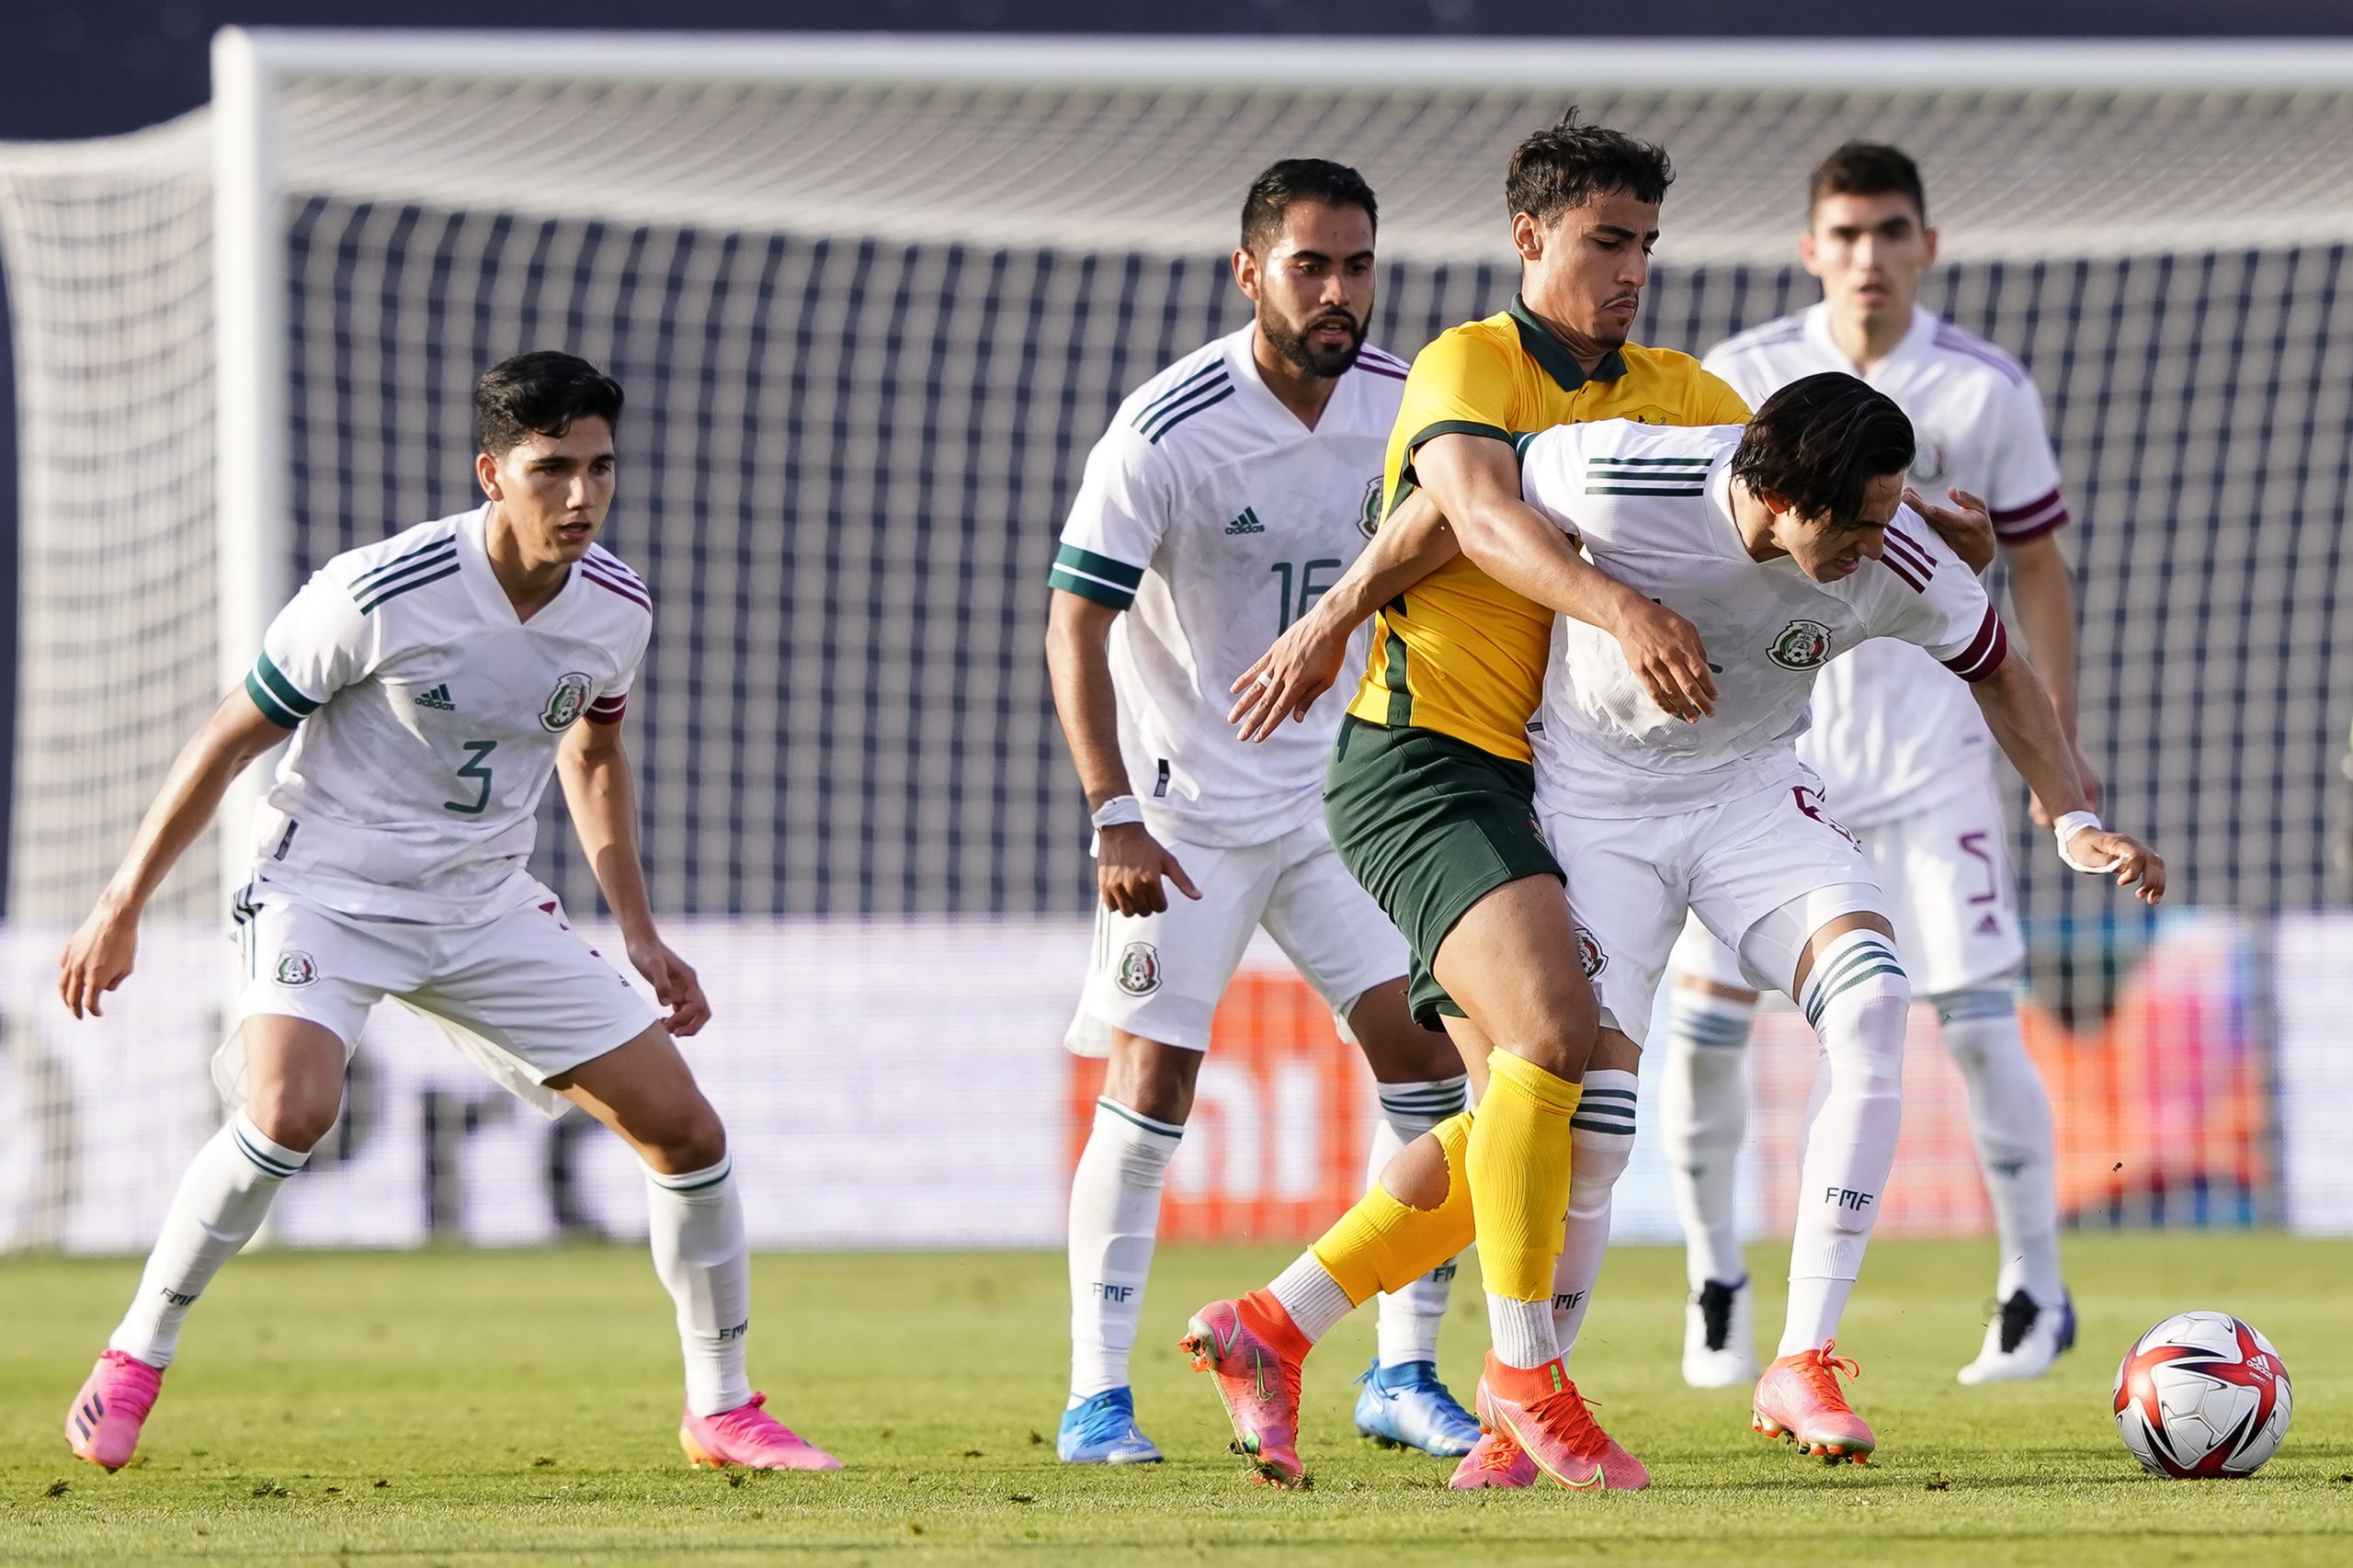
(1102, 1431)
(1406, 1407)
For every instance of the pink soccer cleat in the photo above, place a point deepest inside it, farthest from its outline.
(1799, 1398)
(1494, 1460)
(1542, 1413)
(750, 1437)
(102, 1426)
(1257, 1351)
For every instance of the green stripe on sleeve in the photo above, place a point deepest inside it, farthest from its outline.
(1085, 562)
(289, 695)
(1089, 588)
(270, 708)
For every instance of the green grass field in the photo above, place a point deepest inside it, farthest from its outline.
(519, 1408)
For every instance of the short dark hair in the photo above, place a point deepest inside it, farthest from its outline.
(1301, 179)
(1818, 441)
(1867, 168)
(1567, 165)
(540, 393)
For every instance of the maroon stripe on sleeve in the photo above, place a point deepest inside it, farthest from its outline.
(2033, 508)
(1913, 554)
(613, 586)
(1904, 573)
(1985, 651)
(607, 709)
(2030, 522)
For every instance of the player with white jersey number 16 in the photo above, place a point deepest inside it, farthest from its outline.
(1907, 766)
(1231, 490)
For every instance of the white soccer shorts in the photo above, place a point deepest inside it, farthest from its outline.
(520, 994)
(1946, 871)
(1160, 976)
(1633, 881)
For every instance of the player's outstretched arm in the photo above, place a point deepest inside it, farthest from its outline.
(2019, 713)
(100, 955)
(1475, 482)
(1129, 862)
(602, 800)
(2043, 590)
(1305, 661)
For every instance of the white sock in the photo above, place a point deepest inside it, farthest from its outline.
(2010, 1114)
(1858, 1001)
(1312, 1296)
(1703, 1111)
(221, 1203)
(1409, 1319)
(1601, 1135)
(696, 1224)
(1522, 1330)
(1816, 1307)
(1114, 1217)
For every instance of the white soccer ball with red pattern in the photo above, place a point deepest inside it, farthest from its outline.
(2202, 1394)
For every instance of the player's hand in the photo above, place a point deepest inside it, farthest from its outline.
(2042, 814)
(1129, 865)
(676, 987)
(1301, 667)
(2132, 863)
(97, 960)
(1663, 650)
(1965, 527)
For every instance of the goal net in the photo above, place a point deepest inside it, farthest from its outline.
(872, 302)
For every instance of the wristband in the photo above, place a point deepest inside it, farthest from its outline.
(2067, 827)
(1117, 811)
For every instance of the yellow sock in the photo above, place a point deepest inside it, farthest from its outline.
(1518, 1164)
(1386, 1243)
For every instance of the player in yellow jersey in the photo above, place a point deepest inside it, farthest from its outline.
(1430, 797)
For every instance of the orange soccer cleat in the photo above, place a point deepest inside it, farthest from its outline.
(1255, 1352)
(1541, 1413)
(1799, 1398)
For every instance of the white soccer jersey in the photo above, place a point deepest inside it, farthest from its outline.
(426, 717)
(1890, 734)
(1652, 506)
(1214, 517)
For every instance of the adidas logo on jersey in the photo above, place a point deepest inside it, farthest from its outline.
(1247, 523)
(437, 697)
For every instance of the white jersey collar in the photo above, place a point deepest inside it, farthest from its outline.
(481, 583)
(1272, 410)
(1915, 340)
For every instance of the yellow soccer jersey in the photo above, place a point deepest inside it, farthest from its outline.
(1460, 653)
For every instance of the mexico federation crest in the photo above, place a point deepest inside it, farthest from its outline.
(1140, 969)
(564, 703)
(1369, 515)
(1929, 461)
(1590, 958)
(1802, 645)
(296, 968)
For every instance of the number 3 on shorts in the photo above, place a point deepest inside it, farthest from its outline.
(477, 753)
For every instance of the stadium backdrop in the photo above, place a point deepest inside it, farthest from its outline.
(860, 385)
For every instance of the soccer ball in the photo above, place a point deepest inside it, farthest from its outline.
(2202, 1394)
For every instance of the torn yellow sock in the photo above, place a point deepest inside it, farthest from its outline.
(1386, 1243)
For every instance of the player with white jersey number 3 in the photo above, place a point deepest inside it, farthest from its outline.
(1906, 765)
(434, 683)
(1231, 490)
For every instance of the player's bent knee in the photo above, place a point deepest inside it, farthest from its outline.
(693, 1138)
(294, 1073)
